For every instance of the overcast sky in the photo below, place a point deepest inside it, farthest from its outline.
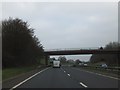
(70, 24)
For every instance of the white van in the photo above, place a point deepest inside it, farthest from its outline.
(56, 64)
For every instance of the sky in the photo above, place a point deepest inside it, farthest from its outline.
(60, 25)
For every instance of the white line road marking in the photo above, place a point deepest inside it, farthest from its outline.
(98, 74)
(68, 74)
(28, 79)
(107, 76)
(63, 70)
(83, 85)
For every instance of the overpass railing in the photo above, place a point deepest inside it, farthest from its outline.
(66, 49)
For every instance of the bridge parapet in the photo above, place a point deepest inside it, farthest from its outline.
(81, 51)
(69, 49)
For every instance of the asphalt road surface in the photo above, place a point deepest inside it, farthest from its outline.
(68, 77)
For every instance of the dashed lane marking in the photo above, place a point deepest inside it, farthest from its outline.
(83, 85)
(68, 74)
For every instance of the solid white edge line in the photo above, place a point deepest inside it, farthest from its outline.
(98, 74)
(83, 84)
(28, 78)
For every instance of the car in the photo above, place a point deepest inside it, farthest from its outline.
(85, 64)
(81, 64)
(104, 65)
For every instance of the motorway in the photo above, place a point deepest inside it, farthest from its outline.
(68, 77)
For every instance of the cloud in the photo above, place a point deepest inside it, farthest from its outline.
(68, 24)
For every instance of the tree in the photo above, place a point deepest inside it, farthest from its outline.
(113, 45)
(62, 59)
(19, 44)
(77, 61)
(110, 59)
(53, 58)
(71, 61)
(101, 48)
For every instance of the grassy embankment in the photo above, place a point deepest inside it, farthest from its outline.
(108, 72)
(12, 72)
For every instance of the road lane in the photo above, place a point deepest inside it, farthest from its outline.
(51, 78)
(90, 79)
(69, 77)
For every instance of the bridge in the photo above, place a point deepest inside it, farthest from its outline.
(78, 51)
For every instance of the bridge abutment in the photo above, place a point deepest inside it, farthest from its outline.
(46, 59)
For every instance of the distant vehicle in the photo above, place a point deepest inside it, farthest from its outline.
(81, 64)
(104, 65)
(56, 64)
(85, 64)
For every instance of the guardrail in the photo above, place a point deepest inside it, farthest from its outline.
(109, 68)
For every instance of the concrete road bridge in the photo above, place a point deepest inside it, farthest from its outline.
(78, 51)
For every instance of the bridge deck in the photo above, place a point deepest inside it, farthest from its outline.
(75, 52)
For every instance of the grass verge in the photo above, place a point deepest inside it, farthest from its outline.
(11, 72)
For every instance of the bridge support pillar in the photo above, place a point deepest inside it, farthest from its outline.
(46, 59)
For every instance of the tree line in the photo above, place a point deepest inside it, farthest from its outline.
(64, 60)
(109, 59)
(20, 47)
